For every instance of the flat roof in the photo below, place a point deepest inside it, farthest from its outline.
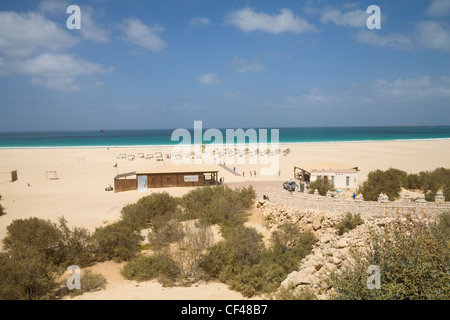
(182, 168)
(124, 175)
(335, 171)
(325, 166)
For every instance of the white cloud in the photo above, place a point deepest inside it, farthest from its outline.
(402, 91)
(142, 35)
(396, 41)
(356, 18)
(438, 8)
(89, 29)
(58, 71)
(59, 84)
(59, 65)
(3, 67)
(200, 22)
(21, 35)
(53, 6)
(244, 66)
(433, 35)
(249, 20)
(411, 88)
(209, 79)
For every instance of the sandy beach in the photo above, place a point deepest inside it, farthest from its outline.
(79, 193)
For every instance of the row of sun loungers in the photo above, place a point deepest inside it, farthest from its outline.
(158, 156)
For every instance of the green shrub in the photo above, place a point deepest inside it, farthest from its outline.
(292, 293)
(429, 182)
(413, 182)
(90, 282)
(25, 275)
(140, 214)
(242, 246)
(116, 242)
(242, 261)
(177, 256)
(285, 237)
(158, 267)
(388, 182)
(36, 251)
(261, 278)
(432, 181)
(141, 269)
(414, 260)
(77, 246)
(348, 223)
(218, 205)
(322, 186)
(166, 229)
(37, 235)
(56, 243)
(190, 250)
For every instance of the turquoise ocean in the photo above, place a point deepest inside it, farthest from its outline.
(124, 138)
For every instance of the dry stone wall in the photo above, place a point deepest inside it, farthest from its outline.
(331, 252)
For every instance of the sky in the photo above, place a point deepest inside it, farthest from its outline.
(163, 64)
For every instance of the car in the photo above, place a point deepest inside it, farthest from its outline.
(290, 185)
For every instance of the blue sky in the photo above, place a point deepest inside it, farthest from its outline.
(164, 64)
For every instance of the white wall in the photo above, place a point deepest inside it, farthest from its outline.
(340, 179)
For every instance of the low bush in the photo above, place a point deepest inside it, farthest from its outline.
(414, 262)
(242, 261)
(391, 181)
(165, 230)
(140, 214)
(349, 222)
(146, 268)
(90, 282)
(322, 186)
(55, 243)
(293, 293)
(143, 268)
(116, 242)
(176, 259)
(26, 275)
(218, 205)
(190, 250)
(388, 182)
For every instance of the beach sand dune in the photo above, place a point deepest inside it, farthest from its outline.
(79, 193)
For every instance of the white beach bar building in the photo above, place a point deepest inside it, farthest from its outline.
(340, 178)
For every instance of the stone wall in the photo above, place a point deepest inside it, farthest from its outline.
(328, 204)
(331, 252)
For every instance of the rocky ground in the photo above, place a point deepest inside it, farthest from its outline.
(330, 253)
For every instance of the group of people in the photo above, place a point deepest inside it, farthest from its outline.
(252, 173)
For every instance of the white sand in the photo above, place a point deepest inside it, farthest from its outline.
(79, 194)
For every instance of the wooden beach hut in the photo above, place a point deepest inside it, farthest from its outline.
(166, 177)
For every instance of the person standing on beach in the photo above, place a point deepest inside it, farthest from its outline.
(254, 173)
(243, 174)
(251, 173)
